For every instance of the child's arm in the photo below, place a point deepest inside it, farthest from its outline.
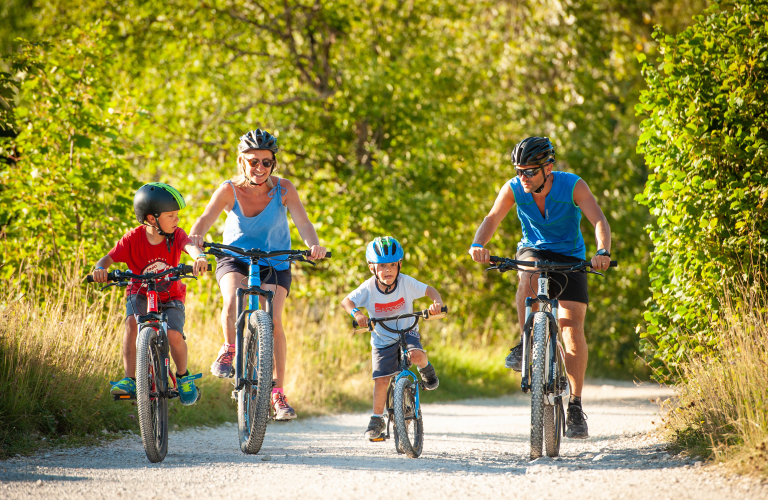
(349, 306)
(201, 262)
(100, 269)
(438, 301)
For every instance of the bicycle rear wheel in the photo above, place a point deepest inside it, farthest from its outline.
(254, 398)
(538, 361)
(554, 415)
(152, 406)
(408, 428)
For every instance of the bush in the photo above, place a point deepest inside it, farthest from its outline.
(705, 139)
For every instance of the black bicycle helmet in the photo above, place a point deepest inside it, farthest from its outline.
(153, 199)
(534, 151)
(258, 139)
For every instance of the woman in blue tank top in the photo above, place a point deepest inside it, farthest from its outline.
(257, 205)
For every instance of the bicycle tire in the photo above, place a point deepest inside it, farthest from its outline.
(153, 412)
(253, 402)
(552, 413)
(538, 361)
(409, 429)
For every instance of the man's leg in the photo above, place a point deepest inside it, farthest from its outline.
(572, 325)
(515, 357)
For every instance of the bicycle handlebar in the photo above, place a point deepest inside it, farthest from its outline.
(546, 265)
(418, 314)
(255, 252)
(118, 275)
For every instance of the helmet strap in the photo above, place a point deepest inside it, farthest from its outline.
(168, 236)
(387, 288)
(541, 188)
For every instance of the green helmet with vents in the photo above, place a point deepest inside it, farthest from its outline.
(155, 198)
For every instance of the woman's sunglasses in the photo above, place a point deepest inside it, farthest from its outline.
(528, 172)
(254, 162)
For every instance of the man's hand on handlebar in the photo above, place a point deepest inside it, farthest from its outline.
(480, 254)
(600, 262)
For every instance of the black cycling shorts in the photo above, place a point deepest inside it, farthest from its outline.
(575, 283)
(268, 276)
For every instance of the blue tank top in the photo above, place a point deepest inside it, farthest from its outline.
(558, 229)
(268, 231)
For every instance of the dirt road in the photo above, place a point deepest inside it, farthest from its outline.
(473, 449)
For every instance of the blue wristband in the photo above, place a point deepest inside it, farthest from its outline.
(354, 311)
(98, 268)
(477, 245)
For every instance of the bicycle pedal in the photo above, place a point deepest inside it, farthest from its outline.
(174, 394)
(378, 439)
(234, 395)
(123, 397)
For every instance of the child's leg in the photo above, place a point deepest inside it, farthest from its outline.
(129, 346)
(419, 358)
(380, 386)
(178, 350)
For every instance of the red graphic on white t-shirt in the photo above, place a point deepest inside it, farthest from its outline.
(392, 306)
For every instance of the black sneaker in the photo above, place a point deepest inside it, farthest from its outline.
(376, 428)
(514, 359)
(576, 423)
(429, 377)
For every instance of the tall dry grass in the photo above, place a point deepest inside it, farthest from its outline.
(722, 410)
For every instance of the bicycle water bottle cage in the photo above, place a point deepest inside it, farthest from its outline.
(153, 318)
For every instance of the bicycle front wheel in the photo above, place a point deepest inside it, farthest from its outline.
(538, 362)
(150, 388)
(254, 398)
(408, 427)
(554, 415)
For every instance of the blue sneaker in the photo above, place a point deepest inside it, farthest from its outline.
(123, 387)
(189, 394)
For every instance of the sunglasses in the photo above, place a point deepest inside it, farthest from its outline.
(254, 162)
(528, 172)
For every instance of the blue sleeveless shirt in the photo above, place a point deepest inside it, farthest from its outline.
(558, 229)
(268, 231)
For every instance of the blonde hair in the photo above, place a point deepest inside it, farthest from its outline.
(242, 180)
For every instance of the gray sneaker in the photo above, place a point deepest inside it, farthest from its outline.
(376, 428)
(576, 423)
(514, 359)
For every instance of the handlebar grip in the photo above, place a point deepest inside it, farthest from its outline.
(89, 278)
(327, 255)
(614, 263)
(354, 323)
(495, 259)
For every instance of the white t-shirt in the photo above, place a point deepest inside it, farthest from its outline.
(379, 305)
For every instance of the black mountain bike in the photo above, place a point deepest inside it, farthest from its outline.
(254, 347)
(155, 382)
(403, 392)
(544, 373)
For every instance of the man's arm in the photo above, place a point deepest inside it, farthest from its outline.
(501, 207)
(584, 198)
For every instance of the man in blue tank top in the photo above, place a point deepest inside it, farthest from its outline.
(549, 206)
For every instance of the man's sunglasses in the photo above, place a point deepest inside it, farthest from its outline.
(254, 162)
(528, 172)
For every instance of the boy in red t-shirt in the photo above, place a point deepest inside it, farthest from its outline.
(150, 248)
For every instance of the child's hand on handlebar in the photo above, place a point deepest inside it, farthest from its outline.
(100, 275)
(200, 266)
(434, 308)
(362, 319)
(480, 255)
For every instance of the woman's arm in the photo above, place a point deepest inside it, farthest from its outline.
(222, 198)
(300, 218)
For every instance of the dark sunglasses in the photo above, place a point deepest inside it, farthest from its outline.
(254, 162)
(528, 172)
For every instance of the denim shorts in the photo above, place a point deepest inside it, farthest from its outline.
(386, 361)
(174, 311)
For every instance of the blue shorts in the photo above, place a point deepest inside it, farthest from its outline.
(386, 361)
(136, 305)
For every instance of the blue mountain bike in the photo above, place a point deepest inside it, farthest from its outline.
(403, 393)
(254, 345)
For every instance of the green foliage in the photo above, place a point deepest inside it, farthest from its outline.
(705, 138)
(65, 178)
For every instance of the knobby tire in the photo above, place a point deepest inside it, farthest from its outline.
(538, 380)
(410, 431)
(554, 416)
(153, 412)
(253, 401)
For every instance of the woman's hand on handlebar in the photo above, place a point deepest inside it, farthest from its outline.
(318, 252)
(480, 255)
(435, 308)
(197, 240)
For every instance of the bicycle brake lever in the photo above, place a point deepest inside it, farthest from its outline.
(595, 272)
(119, 283)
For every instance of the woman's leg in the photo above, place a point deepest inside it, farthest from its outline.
(280, 344)
(228, 284)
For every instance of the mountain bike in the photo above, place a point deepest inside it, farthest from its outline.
(155, 382)
(544, 374)
(254, 348)
(403, 392)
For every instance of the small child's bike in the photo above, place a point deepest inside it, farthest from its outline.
(403, 393)
(544, 374)
(155, 382)
(254, 347)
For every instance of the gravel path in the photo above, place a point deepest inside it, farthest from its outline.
(473, 449)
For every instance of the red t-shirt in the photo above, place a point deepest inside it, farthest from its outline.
(142, 257)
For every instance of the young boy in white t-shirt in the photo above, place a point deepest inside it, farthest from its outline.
(389, 293)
